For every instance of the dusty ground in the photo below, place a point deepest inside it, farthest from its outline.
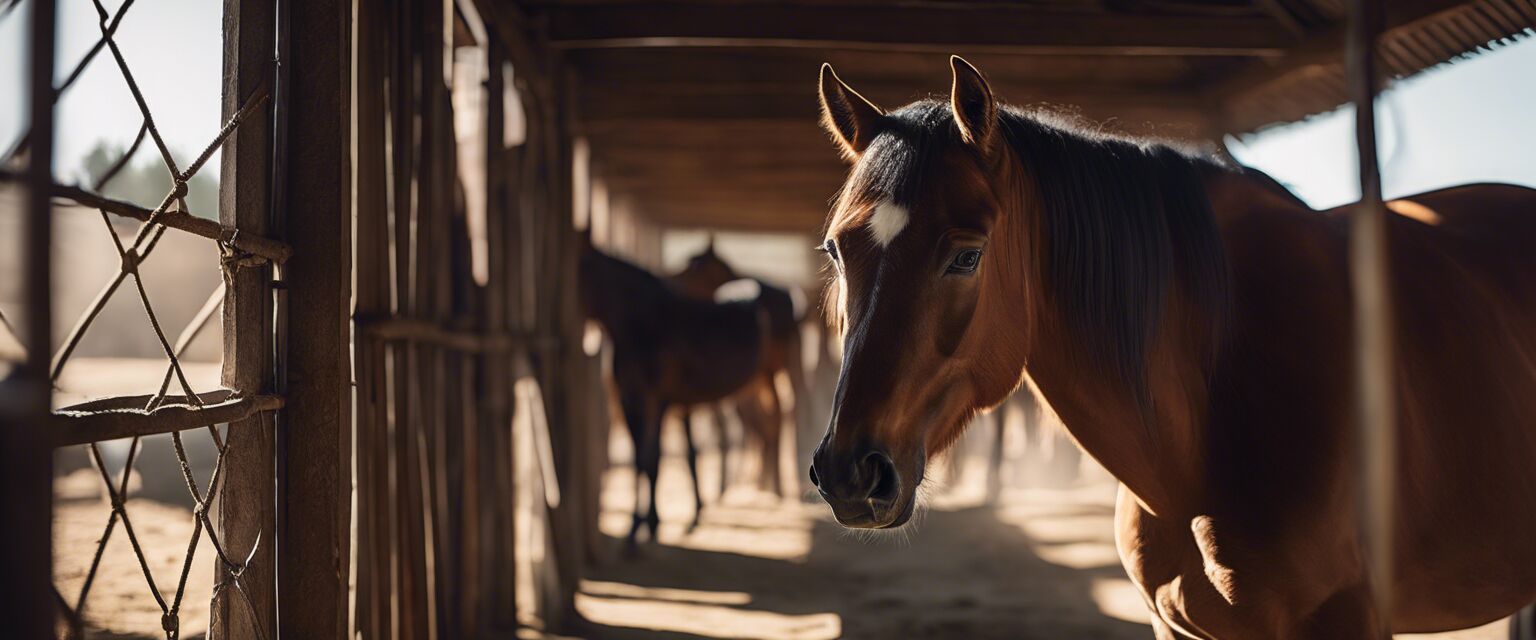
(119, 603)
(1040, 564)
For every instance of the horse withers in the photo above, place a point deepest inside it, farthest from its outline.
(668, 350)
(1190, 322)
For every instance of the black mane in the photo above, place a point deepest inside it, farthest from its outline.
(1125, 221)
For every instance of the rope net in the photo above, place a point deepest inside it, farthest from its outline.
(237, 253)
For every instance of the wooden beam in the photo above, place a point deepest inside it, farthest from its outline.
(915, 71)
(246, 517)
(123, 416)
(314, 431)
(603, 103)
(248, 242)
(907, 28)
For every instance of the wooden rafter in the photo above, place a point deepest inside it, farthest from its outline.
(908, 28)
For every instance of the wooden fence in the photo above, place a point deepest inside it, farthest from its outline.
(341, 136)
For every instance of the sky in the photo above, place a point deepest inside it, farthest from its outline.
(1463, 122)
(1471, 121)
(174, 49)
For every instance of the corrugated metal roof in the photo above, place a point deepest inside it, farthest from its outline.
(1443, 38)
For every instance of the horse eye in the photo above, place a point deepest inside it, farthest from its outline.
(830, 248)
(966, 261)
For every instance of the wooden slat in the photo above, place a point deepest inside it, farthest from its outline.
(373, 285)
(494, 457)
(246, 515)
(409, 604)
(912, 28)
(124, 417)
(252, 243)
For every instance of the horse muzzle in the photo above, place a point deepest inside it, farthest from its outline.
(863, 487)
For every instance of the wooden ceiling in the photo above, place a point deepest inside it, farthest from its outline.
(703, 113)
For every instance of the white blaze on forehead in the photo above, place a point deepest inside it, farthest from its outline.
(887, 220)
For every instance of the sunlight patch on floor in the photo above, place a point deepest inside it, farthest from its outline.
(1119, 599)
(746, 522)
(621, 590)
(657, 610)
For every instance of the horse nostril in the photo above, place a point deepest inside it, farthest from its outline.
(814, 481)
(884, 483)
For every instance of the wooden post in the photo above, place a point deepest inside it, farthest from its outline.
(246, 517)
(26, 458)
(564, 385)
(1369, 257)
(315, 447)
(498, 567)
(411, 601)
(373, 286)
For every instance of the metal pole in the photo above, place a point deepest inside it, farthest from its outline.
(26, 460)
(1375, 408)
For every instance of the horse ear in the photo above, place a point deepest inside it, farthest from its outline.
(709, 245)
(975, 108)
(845, 114)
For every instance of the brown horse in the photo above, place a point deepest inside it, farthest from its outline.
(1190, 323)
(757, 404)
(668, 350)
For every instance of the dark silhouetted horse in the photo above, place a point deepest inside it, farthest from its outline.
(669, 350)
(758, 404)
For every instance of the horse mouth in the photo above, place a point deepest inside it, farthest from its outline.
(874, 518)
(873, 515)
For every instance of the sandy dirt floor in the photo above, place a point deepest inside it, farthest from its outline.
(1039, 564)
(119, 603)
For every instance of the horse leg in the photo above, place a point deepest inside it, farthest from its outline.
(653, 464)
(773, 437)
(633, 406)
(995, 461)
(722, 442)
(693, 468)
(749, 410)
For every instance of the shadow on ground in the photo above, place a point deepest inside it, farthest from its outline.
(966, 573)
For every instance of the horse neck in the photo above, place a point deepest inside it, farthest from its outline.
(625, 297)
(1151, 439)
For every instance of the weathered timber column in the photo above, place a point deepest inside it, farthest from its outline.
(314, 431)
(26, 459)
(246, 506)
